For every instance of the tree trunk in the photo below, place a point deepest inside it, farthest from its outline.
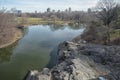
(108, 35)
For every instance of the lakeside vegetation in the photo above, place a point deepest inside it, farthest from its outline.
(103, 22)
(98, 38)
(8, 31)
(106, 29)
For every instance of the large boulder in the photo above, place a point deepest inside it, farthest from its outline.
(82, 62)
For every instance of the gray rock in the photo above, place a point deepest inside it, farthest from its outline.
(45, 71)
(82, 62)
(101, 78)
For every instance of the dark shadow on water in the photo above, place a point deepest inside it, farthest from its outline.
(53, 58)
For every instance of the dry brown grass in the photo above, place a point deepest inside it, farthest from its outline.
(7, 28)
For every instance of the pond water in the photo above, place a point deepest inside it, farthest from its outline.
(35, 50)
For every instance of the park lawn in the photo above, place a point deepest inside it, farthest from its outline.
(30, 20)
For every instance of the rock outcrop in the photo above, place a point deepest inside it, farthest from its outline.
(82, 62)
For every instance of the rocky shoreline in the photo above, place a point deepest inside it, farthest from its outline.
(77, 61)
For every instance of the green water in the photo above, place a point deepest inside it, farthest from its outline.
(33, 50)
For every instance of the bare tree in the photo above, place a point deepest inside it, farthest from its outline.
(24, 19)
(106, 13)
(53, 17)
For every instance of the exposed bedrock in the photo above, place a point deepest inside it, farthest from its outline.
(82, 62)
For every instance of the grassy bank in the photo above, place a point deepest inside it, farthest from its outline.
(16, 37)
(36, 21)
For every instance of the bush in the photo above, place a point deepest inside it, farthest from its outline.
(116, 41)
(95, 33)
(7, 27)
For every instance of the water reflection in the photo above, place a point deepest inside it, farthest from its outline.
(55, 27)
(36, 49)
(76, 26)
(5, 53)
(53, 58)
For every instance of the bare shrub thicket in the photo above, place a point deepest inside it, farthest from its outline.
(106, 13)
(7, 27)
(95, 33)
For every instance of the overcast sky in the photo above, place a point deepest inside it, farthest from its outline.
(41, 5)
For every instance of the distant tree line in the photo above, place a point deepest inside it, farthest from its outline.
(66, 15)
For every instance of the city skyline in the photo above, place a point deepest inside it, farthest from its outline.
(42, 5)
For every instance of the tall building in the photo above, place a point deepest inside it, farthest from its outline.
(70, 9)
(48, 9)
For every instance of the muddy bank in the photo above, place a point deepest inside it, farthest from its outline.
(82, 62)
